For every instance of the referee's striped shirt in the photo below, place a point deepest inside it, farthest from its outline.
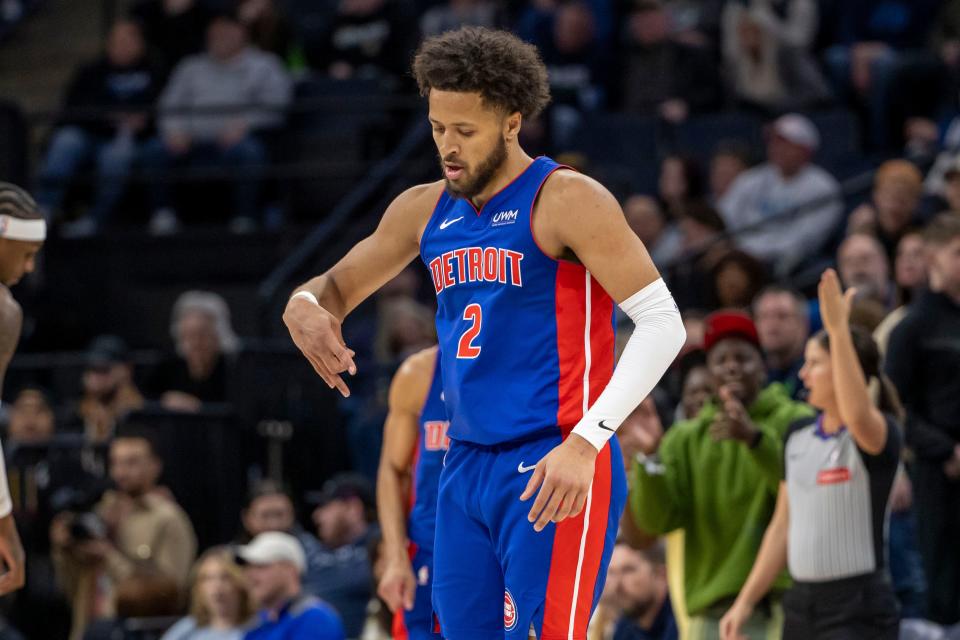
(839, 499)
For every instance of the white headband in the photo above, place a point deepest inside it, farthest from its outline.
(20, 229)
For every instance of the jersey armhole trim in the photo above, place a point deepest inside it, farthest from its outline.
(430, 224)
(533, 207)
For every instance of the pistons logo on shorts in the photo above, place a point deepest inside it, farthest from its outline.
(509, 611)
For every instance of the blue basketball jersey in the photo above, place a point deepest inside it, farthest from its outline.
(527, 341)
(432, 444)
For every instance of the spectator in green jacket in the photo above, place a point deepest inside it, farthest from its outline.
(716, 476)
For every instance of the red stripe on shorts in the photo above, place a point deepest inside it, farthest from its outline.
(570, 551)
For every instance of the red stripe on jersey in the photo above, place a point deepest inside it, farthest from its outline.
(602, 340)
(571, 316)
(571, 551)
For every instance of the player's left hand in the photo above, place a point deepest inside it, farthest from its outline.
(12, 555)
(398, 586)
(564, 476)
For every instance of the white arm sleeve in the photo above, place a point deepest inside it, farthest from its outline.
(657, 338)
(6, 504)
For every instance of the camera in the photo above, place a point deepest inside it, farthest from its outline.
(83, 524)
(87, 526)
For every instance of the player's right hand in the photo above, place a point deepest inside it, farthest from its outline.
(732, 621)
(398, 586)
(317, 334)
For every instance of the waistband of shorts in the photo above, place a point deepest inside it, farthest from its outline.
(859, 580)
(536, 436)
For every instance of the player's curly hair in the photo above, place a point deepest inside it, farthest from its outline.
(506, 71)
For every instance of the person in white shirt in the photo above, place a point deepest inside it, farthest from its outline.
(787, 207)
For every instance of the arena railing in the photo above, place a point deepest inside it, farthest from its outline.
(346, 104)
(384, 172)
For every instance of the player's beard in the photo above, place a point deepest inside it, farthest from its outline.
(478, 179)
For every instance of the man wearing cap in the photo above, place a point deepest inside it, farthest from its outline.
(22, 233)
(274, 563)
(340, 573)
(109, 392)
(765, 202)
(716, 476)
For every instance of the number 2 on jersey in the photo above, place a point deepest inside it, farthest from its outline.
(466, 349)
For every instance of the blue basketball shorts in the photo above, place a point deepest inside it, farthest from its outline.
(494, 576)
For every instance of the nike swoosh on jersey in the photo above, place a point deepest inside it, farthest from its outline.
(523, 469)
(447, 223)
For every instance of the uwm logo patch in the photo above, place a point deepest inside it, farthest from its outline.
(505, 217)
(435, 435)
(838, 475)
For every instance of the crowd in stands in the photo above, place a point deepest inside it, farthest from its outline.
(745, 227)
(202, 89)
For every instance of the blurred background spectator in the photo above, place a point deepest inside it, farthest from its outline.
(273, 563)
(863, 264)
(204, 340)
(725, 460)
(124, 82)
(252, 87)
(759, 198)
(922, 371)
(220, 605)
(134, 536)
(344, 515)
(109, 392)
(637, 588)
(662, 76)
(897, 188)
(783, 326)
(768, 53)
(680, 185)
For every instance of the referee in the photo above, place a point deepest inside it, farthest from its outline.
(831, 511)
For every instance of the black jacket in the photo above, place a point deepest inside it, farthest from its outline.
(923, 361)
(111, 91)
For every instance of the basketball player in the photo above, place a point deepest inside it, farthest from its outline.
(527, 259)
(414, 443)
(22, 232)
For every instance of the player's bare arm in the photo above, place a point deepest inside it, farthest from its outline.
(410, 386)
(11, 323)
(578, 219)
(11, 550)
(316, 326)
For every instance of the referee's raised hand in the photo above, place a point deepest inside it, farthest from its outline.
(834, 303)
(317, 334)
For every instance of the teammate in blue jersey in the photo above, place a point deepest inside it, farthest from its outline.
(527, 259)
(414, 443)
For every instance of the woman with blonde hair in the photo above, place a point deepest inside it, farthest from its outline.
(220, 606)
